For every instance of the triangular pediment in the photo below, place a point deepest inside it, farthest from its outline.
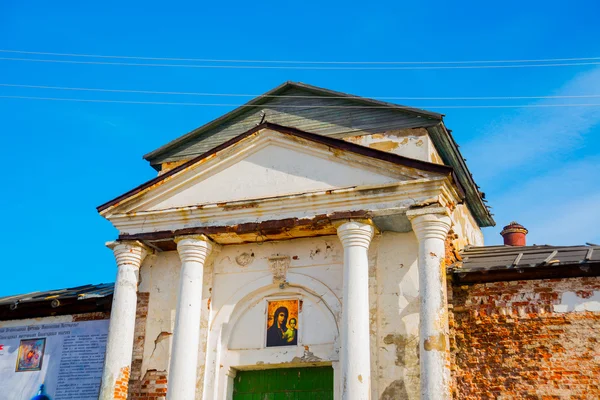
(332, 114)
(270, 162)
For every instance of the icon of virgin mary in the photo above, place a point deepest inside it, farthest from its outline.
(277, 333)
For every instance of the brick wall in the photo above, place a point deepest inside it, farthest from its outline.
(526, 339)
(153, 385)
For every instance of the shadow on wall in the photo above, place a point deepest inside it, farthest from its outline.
(406, 344)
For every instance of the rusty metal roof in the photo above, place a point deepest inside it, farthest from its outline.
(87, 298)
(490, 263)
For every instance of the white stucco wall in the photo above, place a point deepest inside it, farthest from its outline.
(411, 143)
(238, 281)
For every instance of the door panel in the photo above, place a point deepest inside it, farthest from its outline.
(284, 384)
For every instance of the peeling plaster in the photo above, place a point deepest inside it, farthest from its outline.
(578, 302)
(395, 391)
(414, 143)
(407, 348)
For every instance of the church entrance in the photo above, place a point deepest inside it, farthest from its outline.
(284, 384)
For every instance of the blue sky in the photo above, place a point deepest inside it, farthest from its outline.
(539, 166)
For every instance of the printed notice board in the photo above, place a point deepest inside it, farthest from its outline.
(61, 360)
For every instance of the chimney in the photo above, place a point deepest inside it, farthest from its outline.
(514, 234)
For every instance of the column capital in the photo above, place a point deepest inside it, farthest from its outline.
(193, 248)
(129, 252)
(430, 222)
(355, 232)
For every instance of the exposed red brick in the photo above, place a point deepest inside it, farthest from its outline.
(135, 380)
(508, 342)
(451, 254)
(152, 387)
(120, 391)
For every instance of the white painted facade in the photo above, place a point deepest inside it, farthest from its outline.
(359, 287)
(233, 330)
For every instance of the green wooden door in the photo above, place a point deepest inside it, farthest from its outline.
(284, 384)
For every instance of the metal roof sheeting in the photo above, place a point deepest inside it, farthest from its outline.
(79, 293)
(76, 300)
(494, 263)
(306, 113)
(505, 257)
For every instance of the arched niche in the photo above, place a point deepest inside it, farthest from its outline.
(237, 332)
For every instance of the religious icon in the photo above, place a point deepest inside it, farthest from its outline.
(282, 324)
(31, 353)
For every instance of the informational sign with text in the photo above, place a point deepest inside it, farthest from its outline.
(66, 357)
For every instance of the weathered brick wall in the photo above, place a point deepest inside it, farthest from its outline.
(526, 339)
(153, 385)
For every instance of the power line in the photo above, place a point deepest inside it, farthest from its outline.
(291, 106)
(299, 67)
(292, 62)
(291, 96)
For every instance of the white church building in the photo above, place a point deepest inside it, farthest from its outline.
(296, 244)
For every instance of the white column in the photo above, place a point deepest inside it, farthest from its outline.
(193, 251)
(119, 347)
(355, 348)
(431, 227)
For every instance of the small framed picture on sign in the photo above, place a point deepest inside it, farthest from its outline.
(31, 354)
(282, 323)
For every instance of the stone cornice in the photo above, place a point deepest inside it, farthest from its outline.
(378, 199)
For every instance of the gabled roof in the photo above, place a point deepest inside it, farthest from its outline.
(268, 96)
(327, 113)
(323, 140)
(489, 263)
(80, 299)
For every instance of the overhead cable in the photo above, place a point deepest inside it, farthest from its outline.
(349, 97)
(293, 62)
(207, 66)
(293, 106)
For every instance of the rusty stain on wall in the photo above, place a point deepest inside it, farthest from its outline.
(385, 146)
(437, 342)
(169, 165)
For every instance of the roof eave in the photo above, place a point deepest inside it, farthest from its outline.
(448, 149)
(558, 271)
